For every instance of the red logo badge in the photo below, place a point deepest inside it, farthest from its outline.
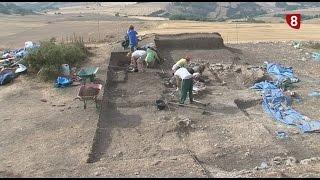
(294, 20)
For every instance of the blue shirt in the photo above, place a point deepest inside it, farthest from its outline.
(133, 39)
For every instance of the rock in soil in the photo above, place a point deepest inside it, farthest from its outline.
(305, 161)
(291, 161)
(263, 165)
(276, 160)
(157, 163)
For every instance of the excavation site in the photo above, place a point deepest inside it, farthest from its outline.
(226, 132)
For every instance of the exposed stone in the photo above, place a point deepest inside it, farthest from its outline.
(247, 154)
(163, 118)
(291, 161)
(263, 165)
(193, 126)
(315, 159)
(305, 161)
(118, 155)
(157, 163)
(276, 160)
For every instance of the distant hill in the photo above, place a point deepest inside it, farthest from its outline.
(221, 11)
(11, 8)
(25, 8)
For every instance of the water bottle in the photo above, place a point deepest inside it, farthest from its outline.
(65, 69)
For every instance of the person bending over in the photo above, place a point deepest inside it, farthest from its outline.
(186, 76)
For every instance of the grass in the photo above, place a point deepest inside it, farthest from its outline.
(48, 58)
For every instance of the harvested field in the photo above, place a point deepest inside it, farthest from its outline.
(110, 8)
(244, 32)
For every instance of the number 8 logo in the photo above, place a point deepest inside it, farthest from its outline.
(294, 21)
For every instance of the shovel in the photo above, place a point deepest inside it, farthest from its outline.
(204, 104)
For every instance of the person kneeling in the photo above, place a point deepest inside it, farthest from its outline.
(152, 57)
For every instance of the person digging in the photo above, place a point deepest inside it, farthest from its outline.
(152, 57)
(198, 70)
(137, 60)
(186, 76)
(183, 62)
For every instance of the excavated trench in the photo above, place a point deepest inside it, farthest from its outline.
(172, 47)
(117, 65)
(168, 46)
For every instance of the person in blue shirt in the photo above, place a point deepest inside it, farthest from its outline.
(133, 39)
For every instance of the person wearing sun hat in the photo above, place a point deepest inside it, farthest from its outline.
(183, 62)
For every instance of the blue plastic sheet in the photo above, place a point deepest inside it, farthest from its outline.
(281, 73)
(277, 104)
(6, 76)
(63, 82)
(264, 85)
(316, 56)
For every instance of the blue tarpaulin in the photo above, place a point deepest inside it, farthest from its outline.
(6, 76)
(316, 56)
(277, 104)
(281, 73)
(264, 85)
(63, 82)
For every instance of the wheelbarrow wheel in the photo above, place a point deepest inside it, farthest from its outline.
(84, 104)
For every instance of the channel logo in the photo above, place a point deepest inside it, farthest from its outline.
(294, 20)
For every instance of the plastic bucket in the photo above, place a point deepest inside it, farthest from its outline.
(160, 104)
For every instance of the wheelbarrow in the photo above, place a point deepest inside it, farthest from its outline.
(89, 92)
(88, 73)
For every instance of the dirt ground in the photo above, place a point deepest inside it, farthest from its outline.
(46, 138)
(137, 140)
(130, 138)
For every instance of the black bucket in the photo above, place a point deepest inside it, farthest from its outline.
(160, 104)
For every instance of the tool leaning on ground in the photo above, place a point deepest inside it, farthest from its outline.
(205, 108)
